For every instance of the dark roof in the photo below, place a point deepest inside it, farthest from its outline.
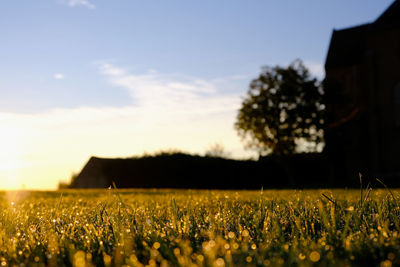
(347, 47)
(391, 16)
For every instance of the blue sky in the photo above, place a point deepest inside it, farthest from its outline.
(76, 75)
(205, 39)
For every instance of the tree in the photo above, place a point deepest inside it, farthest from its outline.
(283, 107)
(217, 150)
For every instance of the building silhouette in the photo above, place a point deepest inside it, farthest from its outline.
(179, 170)
(363, 99)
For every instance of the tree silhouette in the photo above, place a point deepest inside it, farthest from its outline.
(217, 150)
(282, 107)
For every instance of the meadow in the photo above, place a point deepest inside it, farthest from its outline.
(200, 228)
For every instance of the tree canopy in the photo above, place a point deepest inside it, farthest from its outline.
(283, 107)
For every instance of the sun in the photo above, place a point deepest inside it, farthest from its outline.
(10, 157)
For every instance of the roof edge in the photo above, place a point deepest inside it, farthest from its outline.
(389, 12)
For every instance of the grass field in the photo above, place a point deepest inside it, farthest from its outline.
(200, 228)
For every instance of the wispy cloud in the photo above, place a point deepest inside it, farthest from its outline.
(84, 3)
(177, 92)
(58, 76)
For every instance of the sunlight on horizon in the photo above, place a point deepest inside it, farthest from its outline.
(38, 151)
(10, 156)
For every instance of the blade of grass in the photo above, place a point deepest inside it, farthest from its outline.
(361, 188)
(328, 198)
(388, 189)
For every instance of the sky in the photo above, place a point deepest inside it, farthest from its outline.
(117, 78)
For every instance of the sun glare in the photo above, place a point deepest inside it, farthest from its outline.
(10, 157)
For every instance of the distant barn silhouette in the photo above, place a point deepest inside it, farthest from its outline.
(180, 170)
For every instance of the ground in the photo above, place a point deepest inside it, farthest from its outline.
(200, 228)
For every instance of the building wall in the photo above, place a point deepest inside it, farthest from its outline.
(386, 66)
(346, 142)
(370, 142)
